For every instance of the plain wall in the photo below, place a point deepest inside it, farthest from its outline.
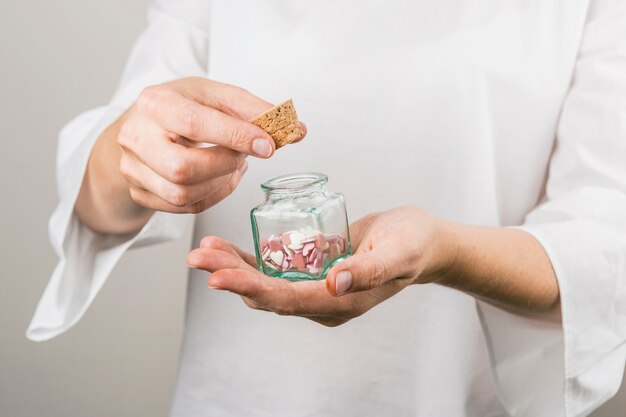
(57, 59)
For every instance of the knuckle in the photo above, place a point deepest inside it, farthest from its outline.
(231, 184)
(134, 194)
(377, 274)
(228, 94)
(253, 304)
(125, 136)
(125, 169)
(179, 171)
(283, 310)
(199, 207)
(233, 162)
(179, 196)
(238, 92)
(230, 161)
(236, 89)
(149, 98)
(237, 137)
(414, 257)
(137, 197)
(191, 121)
(210, 242)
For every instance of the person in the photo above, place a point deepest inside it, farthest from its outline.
(481, 148)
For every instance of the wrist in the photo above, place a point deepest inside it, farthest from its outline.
(446, 253)
(104, 203)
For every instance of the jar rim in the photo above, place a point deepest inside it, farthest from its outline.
(291, 184)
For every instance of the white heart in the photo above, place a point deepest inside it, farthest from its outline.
(296, 238)
(277, 257)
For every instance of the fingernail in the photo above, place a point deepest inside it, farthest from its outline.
(261, 147)
(243, 168)
(343, 281)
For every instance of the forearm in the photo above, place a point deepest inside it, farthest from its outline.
(104, 203)
(506, 267)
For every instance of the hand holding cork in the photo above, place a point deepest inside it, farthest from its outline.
(159, 145)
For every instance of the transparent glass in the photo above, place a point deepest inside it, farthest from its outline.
(301, 230)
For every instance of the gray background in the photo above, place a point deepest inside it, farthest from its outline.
(59, 58)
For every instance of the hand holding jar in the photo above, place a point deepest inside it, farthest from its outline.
(393, 249)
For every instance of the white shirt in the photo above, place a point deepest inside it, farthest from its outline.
(484, 112)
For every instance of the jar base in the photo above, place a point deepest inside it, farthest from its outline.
(303, 276)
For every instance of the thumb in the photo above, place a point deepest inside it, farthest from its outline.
(360, 272)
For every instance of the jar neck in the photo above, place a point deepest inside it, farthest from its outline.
(294, 185)
(271, 197)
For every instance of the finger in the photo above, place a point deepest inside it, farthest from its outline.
(177, 163)
(305, 298)
(190, 119)
(144, 177)
(213, 260)
(227, 98)
(214, 242)
(358, 304)
(365, 271)
(149, 200)
(253, 304)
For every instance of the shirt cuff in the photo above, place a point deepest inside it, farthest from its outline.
(86, 258)
(570, 367)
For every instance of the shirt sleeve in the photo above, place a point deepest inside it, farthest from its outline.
(570, 366)
(174, 45)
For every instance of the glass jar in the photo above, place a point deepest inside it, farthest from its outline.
(301, 230)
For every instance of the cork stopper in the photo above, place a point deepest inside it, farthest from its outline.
(281, 123)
